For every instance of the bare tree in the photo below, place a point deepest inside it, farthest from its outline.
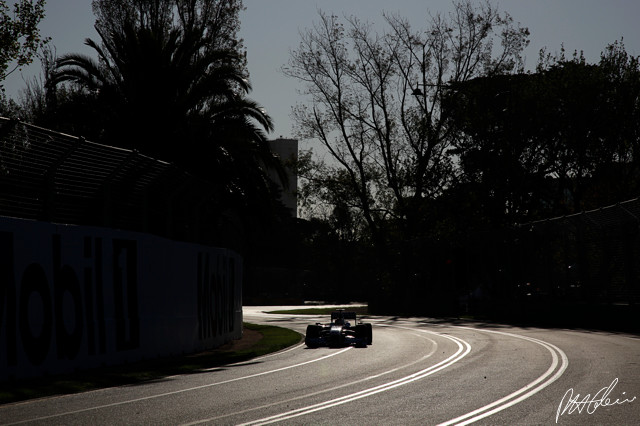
(20, 38)
(374, 103)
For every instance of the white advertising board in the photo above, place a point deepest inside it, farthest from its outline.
(76, 297)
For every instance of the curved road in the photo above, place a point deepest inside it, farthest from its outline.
(418, 371)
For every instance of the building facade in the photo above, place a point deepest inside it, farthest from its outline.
(287, 151)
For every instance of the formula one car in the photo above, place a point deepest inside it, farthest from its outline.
(340, 332)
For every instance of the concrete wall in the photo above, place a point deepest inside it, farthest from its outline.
(74, 297)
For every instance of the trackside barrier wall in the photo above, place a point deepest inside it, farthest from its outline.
(76, 297)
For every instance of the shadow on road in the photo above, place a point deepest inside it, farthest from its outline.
(592, 320)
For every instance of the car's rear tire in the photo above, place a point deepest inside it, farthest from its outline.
(369, 333)
(361, 336)
(313, 333)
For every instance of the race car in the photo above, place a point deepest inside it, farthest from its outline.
(340, 332)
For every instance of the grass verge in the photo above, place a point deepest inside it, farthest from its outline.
(273, 339)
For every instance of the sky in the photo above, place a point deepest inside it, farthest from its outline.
(271, 28)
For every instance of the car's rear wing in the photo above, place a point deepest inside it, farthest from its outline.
(343, 314)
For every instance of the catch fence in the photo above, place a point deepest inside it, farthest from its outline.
(54, 177)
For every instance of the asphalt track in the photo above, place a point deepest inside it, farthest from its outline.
(418, 371)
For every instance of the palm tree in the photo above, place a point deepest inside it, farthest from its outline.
(161, 91)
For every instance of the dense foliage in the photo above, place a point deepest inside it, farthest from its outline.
(168, 79)
(430, 138)
(375, 104)
(558, 141)
(20, 36)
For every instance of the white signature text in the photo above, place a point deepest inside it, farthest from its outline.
(571, 403)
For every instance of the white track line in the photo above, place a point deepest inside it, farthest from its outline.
(519, 395)
(330, 390)
(253, 360)
(129, 401)
(463, 349)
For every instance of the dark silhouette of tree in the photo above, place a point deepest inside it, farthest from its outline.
(164, 84)
(217, 19)
(20, 37)
(20, 41)
(69, 108)
(374, 102)
(554, 142)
